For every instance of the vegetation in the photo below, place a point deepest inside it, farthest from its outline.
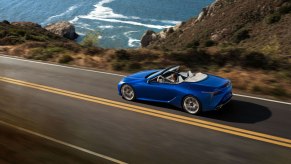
(276, 17)
(44, 53)
(285, 9)
(273, 18)
(91, 39)
(65, 59)
(241, 35)
(194, 44)
(209, 43)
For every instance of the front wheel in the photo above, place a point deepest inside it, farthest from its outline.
(191, 105)
(127, 92)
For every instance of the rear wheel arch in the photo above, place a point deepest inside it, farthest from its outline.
(198, 100)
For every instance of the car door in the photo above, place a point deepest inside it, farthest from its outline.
(160, 91)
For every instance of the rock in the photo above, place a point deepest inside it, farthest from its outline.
(215, 37)
(64, 29)
(26, 24)
(178, 26)
(170, 30)
(202, 15)
(148, 37)
(211, 10)
(163, 34)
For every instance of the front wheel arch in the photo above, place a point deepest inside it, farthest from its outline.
(134, 97)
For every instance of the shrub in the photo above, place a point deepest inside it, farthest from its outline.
(40, 38)
(134, 66)
(273, 18)
(256, 60)
(54, 50)
(209, 43)
(91, 39)
(6, 22)
(92, 50)
(257, 88)
(65, 59)
(2, 33)
(193, 44)
(21, 33)
(285, 9)
(122, 55)
(278, 91)
(118, 66)
(241, 35)
(11, 40)
(142, 56)
(72, 47)
(39, 54)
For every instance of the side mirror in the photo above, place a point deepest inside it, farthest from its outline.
(148, 81)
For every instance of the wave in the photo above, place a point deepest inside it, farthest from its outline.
(81, 34)
(101, 11)
(106, 27)
(132, 42)
(70, 9)
(84, 27)
(107, 14)
(73, 21)
(166, 21)
(134, 23)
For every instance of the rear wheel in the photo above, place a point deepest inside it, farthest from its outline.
(191, 105)
(127, 92)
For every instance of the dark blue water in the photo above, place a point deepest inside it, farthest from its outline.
(120, 23)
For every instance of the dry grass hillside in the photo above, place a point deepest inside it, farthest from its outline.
(260, 25)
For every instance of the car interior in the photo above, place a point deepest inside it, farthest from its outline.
(174, 77)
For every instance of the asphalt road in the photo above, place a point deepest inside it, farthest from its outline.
(128, 136)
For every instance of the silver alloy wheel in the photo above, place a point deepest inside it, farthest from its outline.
(191, 105)
(127, 92)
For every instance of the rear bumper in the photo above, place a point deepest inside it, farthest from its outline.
(224, 101)
(218, 101)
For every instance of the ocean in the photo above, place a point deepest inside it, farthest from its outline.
(121, 23)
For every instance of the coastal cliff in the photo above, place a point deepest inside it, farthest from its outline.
(262, 25)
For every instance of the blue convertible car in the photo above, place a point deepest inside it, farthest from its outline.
(193, 92)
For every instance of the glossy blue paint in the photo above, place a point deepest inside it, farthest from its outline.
(211, 92)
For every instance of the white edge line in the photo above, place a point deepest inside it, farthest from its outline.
(63, 143)
(263, 99)
(114, 74)
(57, 65)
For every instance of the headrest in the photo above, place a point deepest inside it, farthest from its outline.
(180, 79)
(190, 74)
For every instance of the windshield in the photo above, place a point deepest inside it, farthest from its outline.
(155, 74)
(163, 71)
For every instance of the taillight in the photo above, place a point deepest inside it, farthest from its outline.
(216, 92)
(213, 93)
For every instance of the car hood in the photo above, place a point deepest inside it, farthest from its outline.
(212, 81)
(142, 74)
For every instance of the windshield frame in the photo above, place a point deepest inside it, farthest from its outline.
(163, 71)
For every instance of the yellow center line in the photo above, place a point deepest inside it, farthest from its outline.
(182, 119)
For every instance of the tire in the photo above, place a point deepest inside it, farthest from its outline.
(127, 92)
(191, 105)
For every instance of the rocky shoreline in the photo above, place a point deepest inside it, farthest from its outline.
(63, 28)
